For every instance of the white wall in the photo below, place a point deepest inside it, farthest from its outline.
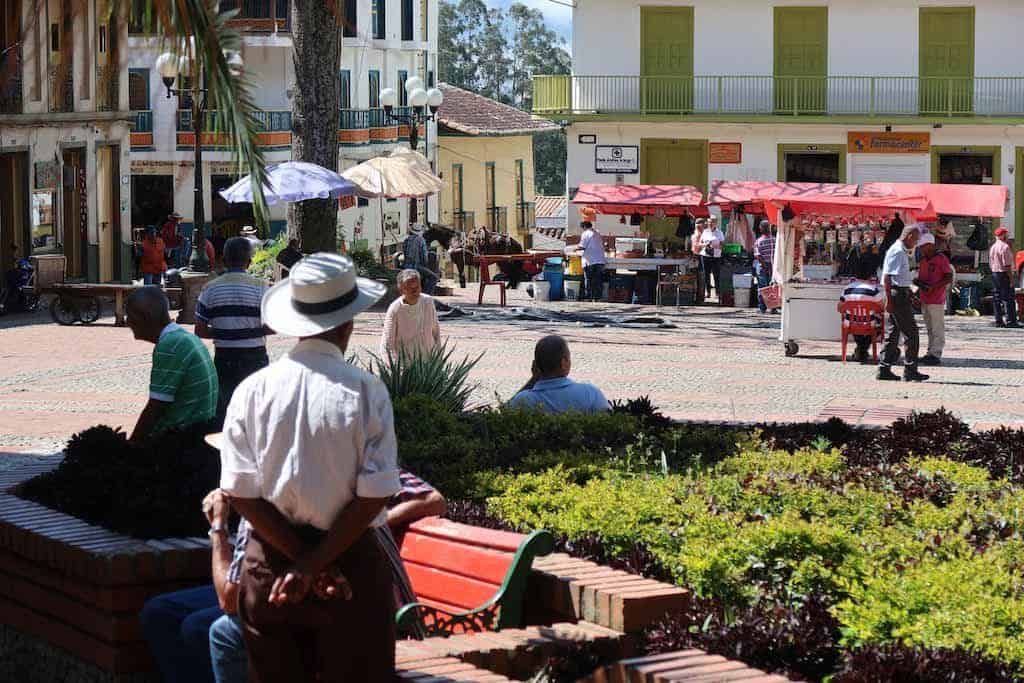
(760, 149)
(735, 37)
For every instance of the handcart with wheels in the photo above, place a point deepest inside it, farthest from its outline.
(82, 302)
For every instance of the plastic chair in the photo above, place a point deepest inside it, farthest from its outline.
(668, 276)
(865, 318)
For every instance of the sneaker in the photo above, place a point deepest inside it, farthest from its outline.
(930, 360)
(910, 374)
(999, 323)
(886, 374)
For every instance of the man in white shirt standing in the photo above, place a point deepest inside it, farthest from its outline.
(592, 246)
(711, 241)
(897, 277)
(308, 458)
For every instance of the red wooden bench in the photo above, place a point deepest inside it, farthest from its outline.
(466, 578)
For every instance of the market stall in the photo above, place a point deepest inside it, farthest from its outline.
(959, 210)
(647, 255)
(815, 237)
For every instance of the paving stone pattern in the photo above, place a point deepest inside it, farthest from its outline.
(719, 364)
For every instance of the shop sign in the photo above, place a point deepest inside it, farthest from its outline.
(148, 167)
(617, 159)
(888, 143)
(725, 153)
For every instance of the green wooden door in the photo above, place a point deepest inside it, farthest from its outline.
(801, 60)
(666, 59)
(947, 60)
(672, 162)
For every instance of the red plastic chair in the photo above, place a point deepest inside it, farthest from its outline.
(862, 318)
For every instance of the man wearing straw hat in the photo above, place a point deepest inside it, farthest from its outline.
(309, 459)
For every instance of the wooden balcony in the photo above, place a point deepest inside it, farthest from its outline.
(108, 88)
(11, 97)
(463, 221)
(60, 80)
(762, 96)
(142, 130)
(497, 219)
(259, 16)
(526, 216)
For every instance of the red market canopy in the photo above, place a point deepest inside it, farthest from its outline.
(726, 192)
(985, 201)
(849, 207)
(646, 200)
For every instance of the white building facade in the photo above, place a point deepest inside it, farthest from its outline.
(794, 90)
(388, 41)
(64, 127)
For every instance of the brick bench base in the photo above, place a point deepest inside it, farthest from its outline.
(686, 666)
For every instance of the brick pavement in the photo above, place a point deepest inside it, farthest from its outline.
(708, 364)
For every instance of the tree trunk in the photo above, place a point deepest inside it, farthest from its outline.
(316, 35)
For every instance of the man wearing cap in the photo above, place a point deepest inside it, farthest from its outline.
(934, 275)
(250, 233)
(308, 458)
(896, 273)
(1000, 260)
(416, 257)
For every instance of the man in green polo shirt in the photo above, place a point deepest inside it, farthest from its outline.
(183, 381)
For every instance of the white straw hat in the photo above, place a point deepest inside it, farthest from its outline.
(321, 292)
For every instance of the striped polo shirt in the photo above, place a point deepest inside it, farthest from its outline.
(230, 306)
(183, 376)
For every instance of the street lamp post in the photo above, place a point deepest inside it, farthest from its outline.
(170, 67)
(423, 105)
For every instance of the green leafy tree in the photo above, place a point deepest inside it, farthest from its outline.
(549, 153)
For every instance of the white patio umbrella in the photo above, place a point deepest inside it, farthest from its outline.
(404, 173)
(292, 181)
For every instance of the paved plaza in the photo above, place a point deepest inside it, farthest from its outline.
(704, 363)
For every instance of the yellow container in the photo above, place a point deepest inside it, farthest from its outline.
(575, 266)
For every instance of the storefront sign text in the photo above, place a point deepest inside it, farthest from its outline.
(725, 153)
(888, 143)
(617, 159)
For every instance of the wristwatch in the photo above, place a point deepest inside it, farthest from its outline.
(219, 529)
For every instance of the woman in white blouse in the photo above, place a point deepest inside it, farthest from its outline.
(410, 325)
(711, 240)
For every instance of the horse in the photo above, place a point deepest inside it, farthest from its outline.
(464, 248)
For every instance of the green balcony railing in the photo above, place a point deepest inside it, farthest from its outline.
(497, 219)
(143, 121)
(526, 216)
(269, 121)
(463, 221)
(780, 95)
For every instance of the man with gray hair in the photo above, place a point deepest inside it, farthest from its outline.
(183, 381)
(228, 312)
(410, 325)
(897, 277)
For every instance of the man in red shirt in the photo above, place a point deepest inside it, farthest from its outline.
(933, 277)
(1000, 260)
(172, 241)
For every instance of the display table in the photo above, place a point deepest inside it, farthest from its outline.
(645, 263)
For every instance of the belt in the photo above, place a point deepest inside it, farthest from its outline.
(240, 350)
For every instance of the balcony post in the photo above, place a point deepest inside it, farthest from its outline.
(718, 107)
(949, 98)
(872, 96)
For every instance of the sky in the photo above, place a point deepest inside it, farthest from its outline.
(559, 17)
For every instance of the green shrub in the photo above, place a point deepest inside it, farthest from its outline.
(434, 374)
(263, 259)
(368, 266)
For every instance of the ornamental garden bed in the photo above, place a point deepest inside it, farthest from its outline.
(813, 550)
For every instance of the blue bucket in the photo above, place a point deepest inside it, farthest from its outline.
(554, 275)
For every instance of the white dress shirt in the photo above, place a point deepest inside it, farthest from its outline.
(711, 242)
(897, 264)
(308, 434)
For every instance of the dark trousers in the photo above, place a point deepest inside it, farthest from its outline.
(710, 265)
(176, 627)
(901, 322)
(593, 282)
(336, 641)
(764, 278)
(1004, 301)
(233, 366)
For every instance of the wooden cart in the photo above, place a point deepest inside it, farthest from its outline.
(81, 302)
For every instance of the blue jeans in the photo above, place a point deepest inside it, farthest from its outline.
(152, 279)
(177, 627)
(227, 650)
(764, 278)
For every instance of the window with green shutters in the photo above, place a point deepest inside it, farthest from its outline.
(666, 59)
(345, 89)
(946, 53)
(379, 19)
(403, 96)
(801, 60)
(374, 78)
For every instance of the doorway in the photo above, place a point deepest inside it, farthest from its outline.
(812, 163)
(14, 204)
(108, 211)
(228, 218)
(75, 212)
(801, 60)
(672, 162)
(152, 201)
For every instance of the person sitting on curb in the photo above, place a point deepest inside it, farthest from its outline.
(183, 380)
(550, 390)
